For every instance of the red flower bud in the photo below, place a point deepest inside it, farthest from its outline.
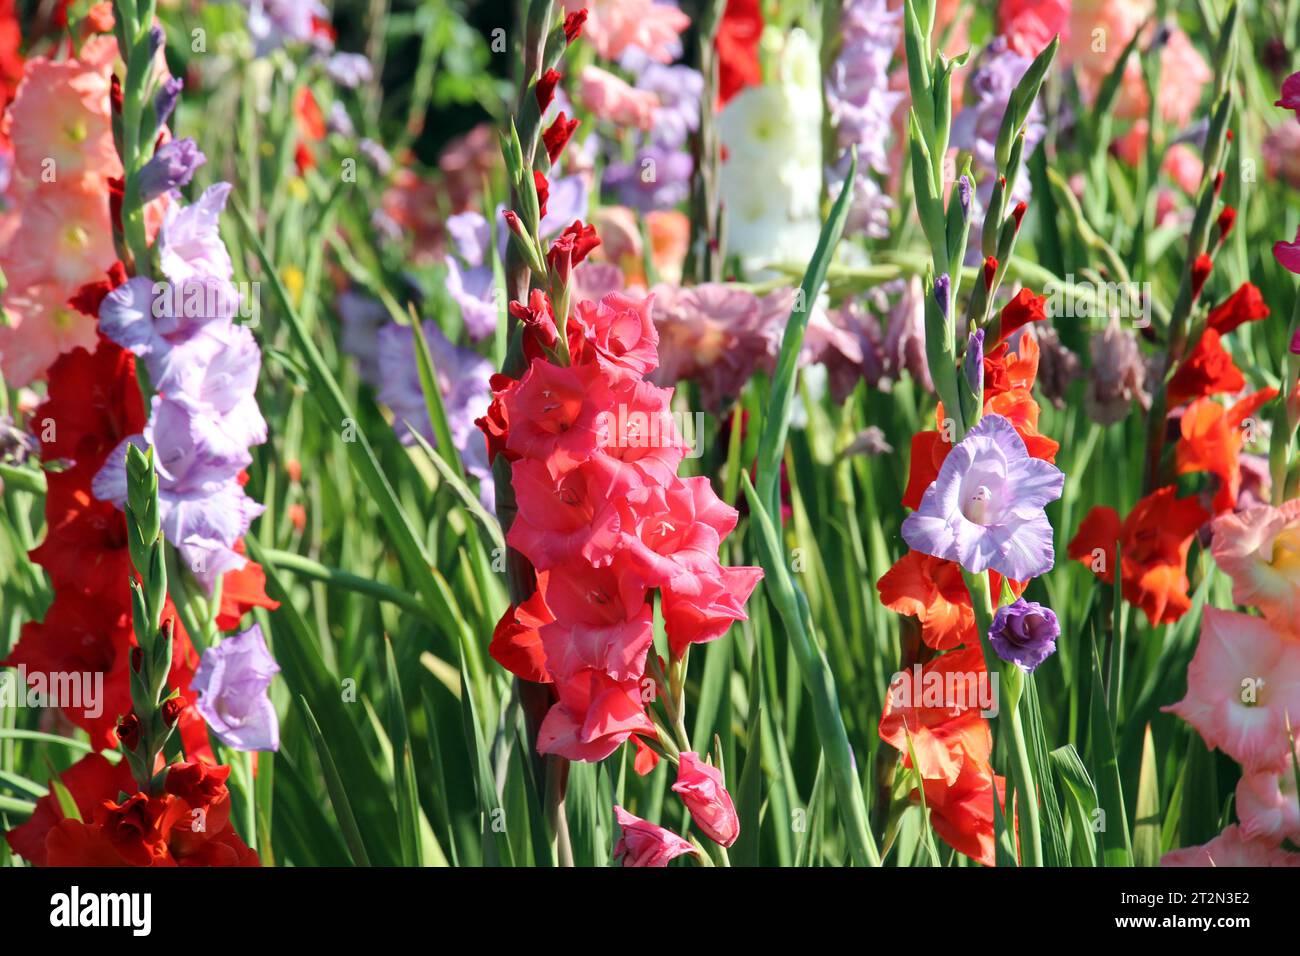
(543, 192)
(572, 246)
(557, 136)
(545, 89)
(1200, 272)
(990, 270)
(513, 222)
(128, 730)
(1019, 213)
(1227, 218)
(1218, 182)
(115, 95)
(573, 24)
(172, 708)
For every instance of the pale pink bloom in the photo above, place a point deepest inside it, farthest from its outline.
(702, 790)
(43, 328)
(64, 236)
(60, 124)
(1242, 684)
(1259, 548)
(614, 100)
(615, 25)
(1231, 848)
(1184, 74)
(645, 844)
(1097, 34)
(1267, 807)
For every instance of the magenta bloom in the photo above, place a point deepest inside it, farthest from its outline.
(1287, 254)
(705, 795)
(644, 844)
(985, 510)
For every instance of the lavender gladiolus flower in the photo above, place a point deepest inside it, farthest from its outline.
(349, 70)
(205, 368)
(658, 179)
(679, 89)
(273, 23)
(1024, 633)
(203, 508)
(985, 509)
(976, 127)
(172, 166)
(470, 280)
(232, 681)
(861, 107)
(189, 243)
(463, 382)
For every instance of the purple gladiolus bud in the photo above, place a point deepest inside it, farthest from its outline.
(231, 680)
(985, 508)
(1024, 633)
(156, 39)
(1295, 343)
(942, 291)
(964, 194)
(168, 95)
(172, 166)
(974, 364)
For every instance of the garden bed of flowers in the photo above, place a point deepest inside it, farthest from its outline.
(647, 433)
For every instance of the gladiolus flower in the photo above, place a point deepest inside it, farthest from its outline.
(1243, 685)
(702, 790)
(985, 508)
(1231, 848)
(1208, 370)
(644, 844)
(1259, 548)
(1155, 539)
(1244, 305)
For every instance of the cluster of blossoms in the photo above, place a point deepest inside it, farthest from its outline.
(204, 366)
(1156, 535)
(140, 829)
(604, 521)
(862, 107)
(56, 233)
(202, 421)
(979, 510)
(1243, 686)
(772, 178)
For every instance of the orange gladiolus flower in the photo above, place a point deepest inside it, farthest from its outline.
(1155, 539)
(1212, 437)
